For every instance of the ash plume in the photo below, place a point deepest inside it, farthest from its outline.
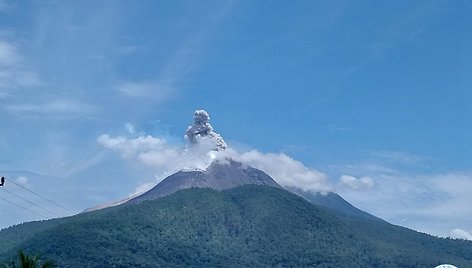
(201, 129)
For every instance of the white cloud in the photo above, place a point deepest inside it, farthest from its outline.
(166, 158)
(450, 194)
(155, 152)
(285, 170)
(355, 183)
(131, 147)
(461, 234)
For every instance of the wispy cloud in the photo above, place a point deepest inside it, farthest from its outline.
(431, 203)
(148, 90)
(188, 53)
(60, 108)
(398, 157)
(13, 73)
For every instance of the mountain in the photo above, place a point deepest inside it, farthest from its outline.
(332, 201)
(231, 215)
(227, 174)
(220, 175)
(245, 226)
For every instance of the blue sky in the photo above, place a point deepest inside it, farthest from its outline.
(369, 99)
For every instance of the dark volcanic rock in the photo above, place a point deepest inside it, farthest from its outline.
(219, 175)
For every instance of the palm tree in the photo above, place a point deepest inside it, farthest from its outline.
(25, 261)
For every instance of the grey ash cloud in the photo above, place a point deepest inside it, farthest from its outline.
(201, 129)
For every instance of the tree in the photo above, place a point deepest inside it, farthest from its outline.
(26, 261)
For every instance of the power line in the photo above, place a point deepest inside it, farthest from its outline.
(41, 196)
(45, 209)
(20, 206)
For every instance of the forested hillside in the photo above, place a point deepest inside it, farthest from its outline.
(248, 226)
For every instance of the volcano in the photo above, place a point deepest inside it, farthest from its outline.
(220, 175)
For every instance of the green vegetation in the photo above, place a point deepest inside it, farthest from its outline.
(247, 226)
(26, 261)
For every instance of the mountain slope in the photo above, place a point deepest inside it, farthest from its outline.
(332, 201)
(247, 226)
(220, 175)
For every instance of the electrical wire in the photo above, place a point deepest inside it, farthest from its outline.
(41, 196)
(20, 206)
(32, 203)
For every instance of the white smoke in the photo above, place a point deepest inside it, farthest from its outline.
(167, 158)
(201, 129)
(283, 169)
(157, 153)
(206, 146)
